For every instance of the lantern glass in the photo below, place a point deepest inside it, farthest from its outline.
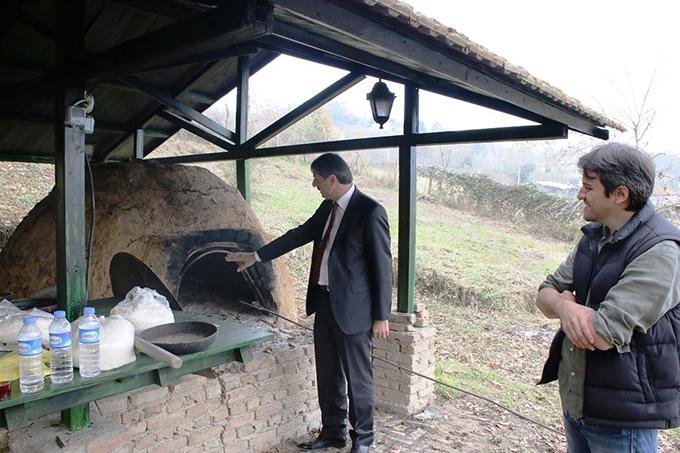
(381, 100)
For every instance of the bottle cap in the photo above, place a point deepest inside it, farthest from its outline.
(60, 314)
(88, 310)
(29, 320)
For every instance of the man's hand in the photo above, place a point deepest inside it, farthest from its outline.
(576, 319)
(244, 260)
(577, 323)
(381, 329)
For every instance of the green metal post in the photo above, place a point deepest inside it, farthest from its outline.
(407, 206)
(242, 165)
(139, 144)
(70, 181)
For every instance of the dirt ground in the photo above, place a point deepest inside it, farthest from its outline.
(460, 425)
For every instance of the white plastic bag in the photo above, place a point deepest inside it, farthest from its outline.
(12, 318)
(116, 344)
(144, 308)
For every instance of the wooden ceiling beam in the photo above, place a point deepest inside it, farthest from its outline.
(221, 28)
(165, 8)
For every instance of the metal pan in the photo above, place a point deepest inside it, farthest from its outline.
(181, 337)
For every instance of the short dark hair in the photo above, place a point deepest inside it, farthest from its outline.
(332, 164)
(617, 165)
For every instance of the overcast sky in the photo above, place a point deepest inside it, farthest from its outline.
(602, 52)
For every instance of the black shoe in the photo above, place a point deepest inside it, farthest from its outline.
(324, 442)
(359, 449)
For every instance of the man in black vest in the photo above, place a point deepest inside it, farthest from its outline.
(617, 354)
(349, 289)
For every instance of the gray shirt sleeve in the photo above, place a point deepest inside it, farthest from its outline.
(647, 289)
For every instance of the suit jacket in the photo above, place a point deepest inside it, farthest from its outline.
(359, 264)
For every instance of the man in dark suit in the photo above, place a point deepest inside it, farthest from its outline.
(350, 290)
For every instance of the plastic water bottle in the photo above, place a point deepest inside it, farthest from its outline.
(88, 343)
(61, 358)
(29, 342)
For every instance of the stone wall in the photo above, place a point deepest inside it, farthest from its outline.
(241, 407)
(410, 345)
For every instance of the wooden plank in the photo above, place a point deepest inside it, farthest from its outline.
(163, 8)
(500, 134)
(406, 276)
(304, 109)
(219, 28)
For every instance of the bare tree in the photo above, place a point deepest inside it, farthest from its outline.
(638, 113)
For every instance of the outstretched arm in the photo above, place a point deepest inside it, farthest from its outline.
(243, 259)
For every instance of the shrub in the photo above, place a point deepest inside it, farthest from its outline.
(524, 205)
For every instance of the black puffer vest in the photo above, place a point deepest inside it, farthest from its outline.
(640, 388)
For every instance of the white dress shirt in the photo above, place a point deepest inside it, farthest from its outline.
(339, 212)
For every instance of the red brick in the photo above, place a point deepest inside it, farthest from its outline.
(170, 446)
(264, 412)
(242, 419)
(151, 394)
(145, 441)
(198, 409)
(162, 420)
(260, 361)
(112, 405)
(263, 440)
(187, 384)
(203, 436)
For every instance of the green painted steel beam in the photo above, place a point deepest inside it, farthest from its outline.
(69, 171)
(171, 102)
(324, 96)
(500, 134)
(406, 275)
(242, 96)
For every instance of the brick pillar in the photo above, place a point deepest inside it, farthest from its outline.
(411, 345)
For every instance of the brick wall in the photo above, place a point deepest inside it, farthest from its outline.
(241, 407)
(410, 345)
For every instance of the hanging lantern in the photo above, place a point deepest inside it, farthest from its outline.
(381, 100)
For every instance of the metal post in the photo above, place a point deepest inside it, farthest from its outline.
(242, 165)
(407, 206)
(139, 144)
(70, 181)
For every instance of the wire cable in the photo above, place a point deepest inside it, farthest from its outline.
(251, 283)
